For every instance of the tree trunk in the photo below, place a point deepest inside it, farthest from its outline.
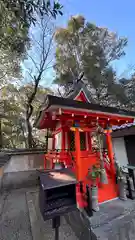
(1, 134)
(30, 137)
(29, 111)
(23, 132)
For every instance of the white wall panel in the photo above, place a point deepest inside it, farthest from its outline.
(120, 151)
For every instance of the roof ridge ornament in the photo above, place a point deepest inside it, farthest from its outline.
(74, 82)
(79, 85)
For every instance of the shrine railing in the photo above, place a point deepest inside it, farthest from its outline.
(66, 156)
(59, 155)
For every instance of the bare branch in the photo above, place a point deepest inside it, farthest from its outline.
(41, 59)
(34, 62)
(30, 74)
(3, 76)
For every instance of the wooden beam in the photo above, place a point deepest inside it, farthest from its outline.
(90, 121)
(83, 129)
(100, 115)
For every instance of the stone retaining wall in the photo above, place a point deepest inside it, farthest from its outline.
(20, 168)
(24, 162)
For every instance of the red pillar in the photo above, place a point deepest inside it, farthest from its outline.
(110, 151)
(78, 155)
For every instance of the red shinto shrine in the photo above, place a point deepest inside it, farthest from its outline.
(72, 121)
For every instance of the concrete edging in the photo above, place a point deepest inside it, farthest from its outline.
(34, 220)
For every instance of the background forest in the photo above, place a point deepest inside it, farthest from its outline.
(33, 47)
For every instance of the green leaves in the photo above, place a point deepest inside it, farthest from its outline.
(85, 47)
(12, 27)
(43, 7)
(16, 17)
(14, 120)
(94, 173)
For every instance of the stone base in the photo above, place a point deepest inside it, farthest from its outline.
(115, 220)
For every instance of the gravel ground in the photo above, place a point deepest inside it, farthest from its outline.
(14, 217)
(20, 218)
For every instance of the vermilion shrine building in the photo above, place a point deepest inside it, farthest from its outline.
(72, 120)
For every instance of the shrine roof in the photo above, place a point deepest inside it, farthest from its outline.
(53, 102)
(77, 88)
(124, 130)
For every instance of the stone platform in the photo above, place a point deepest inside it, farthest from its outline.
(20, 216)
(115, 220)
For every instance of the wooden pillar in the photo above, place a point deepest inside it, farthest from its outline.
(78, 155)
(110, 151)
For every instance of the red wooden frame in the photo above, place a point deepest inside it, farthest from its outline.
(84, 159)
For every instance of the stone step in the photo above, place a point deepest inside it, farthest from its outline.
(80, 226)
(115, 220)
